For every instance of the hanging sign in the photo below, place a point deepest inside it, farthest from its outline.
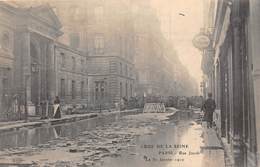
(201, 41)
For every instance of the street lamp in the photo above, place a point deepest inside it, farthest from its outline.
(27, 76)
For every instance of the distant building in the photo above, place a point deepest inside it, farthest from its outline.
(159, 70)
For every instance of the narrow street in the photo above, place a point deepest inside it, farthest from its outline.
(127, 83)
(149, 139)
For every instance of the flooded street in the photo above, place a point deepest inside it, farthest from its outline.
(150, 139)
(172, 145)
(76, 144)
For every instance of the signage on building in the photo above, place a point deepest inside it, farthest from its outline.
(201, 41)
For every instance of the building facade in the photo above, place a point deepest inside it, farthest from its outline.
(231, 66)
(32, 65)
(111, 57)
(106, 37)
(72, 76)
(159, 70)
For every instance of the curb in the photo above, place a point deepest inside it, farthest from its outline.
(16, 127)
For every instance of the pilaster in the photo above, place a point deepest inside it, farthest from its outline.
(51, 85)
(26, 63)
(255, 50)
(237, 86)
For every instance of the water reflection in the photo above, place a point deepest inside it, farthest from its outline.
(31, 137)
(141, 155)
(169, 135)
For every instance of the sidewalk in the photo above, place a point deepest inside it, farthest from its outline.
(16, 125)
(213, 150)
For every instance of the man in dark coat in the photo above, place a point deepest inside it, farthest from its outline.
(208, 108)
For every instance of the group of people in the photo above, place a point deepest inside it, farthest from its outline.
(208, 107)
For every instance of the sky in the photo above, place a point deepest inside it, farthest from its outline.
(183, 29)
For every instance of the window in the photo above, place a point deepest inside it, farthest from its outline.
(82, 89)
(73, 89)
(126, 70)
(99, 14)
(74, 13)
(62, 88)
(130, 72)
(121, 69)
(126, 90)
(102, 89)
(126, 48)
(121, 90)
(5, 41)
(131, 90)
(82, 65)
(63, 60)
(86, 64)
(99, 44)
(5, 86)
(73, 63)
(96, 90)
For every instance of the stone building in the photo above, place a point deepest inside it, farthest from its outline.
(31, 72)
(106, 36)
(231, 64)
(110, 51)
(6, 57)
(72, 78)
(159, 70)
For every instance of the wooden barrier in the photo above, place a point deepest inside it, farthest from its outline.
(154, 108)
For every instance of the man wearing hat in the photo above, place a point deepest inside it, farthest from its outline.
(208, 108)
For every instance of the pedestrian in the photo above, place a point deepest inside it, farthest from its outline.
(57, 110)
(208, 108)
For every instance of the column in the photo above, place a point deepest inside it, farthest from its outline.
(51, 73)
(237, 88)
(254, 30)
(26, 62)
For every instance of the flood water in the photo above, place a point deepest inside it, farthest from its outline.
(174, 144)
(34, 136)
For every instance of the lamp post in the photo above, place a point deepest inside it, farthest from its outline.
(27, 76)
